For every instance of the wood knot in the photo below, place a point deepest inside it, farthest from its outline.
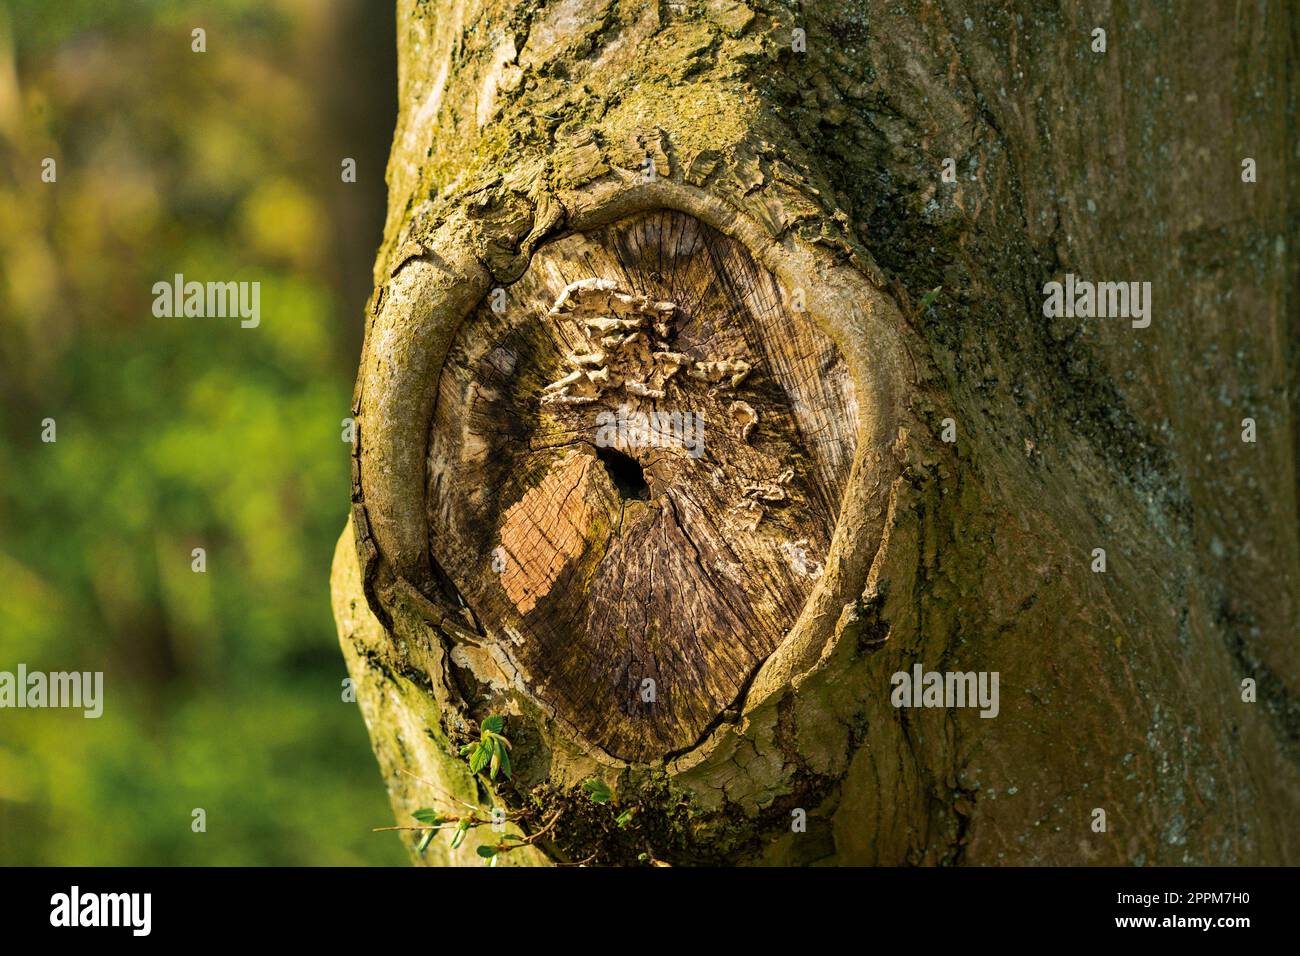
(634, 476)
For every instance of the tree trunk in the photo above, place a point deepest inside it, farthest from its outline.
(669, 454)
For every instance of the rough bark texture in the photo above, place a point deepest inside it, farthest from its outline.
(812, 176)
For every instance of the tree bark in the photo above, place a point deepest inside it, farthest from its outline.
(741, 210)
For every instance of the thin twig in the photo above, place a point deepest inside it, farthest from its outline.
(434, 786)
(428, 826)
(544, 830)
(503, 847)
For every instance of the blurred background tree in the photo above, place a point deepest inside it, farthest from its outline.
(223, 690)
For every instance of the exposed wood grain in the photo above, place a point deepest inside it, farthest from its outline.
(691, 581)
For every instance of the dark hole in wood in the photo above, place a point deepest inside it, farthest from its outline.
(626, 473)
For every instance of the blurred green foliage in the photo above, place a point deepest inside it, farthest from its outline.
(223, 690)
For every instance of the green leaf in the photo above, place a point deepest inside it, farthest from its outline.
(427, 815)
(624, 818)
(491, 750)
(458, 837)
(478, 759)
(425, 839)
(929, 298)
(487, 852)
(599, 790)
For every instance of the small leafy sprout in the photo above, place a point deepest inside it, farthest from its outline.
(491, 750)
(598, 790)
(490, 854)
(429, 821)
(458, 837)
(434, 819)
(928, 299)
